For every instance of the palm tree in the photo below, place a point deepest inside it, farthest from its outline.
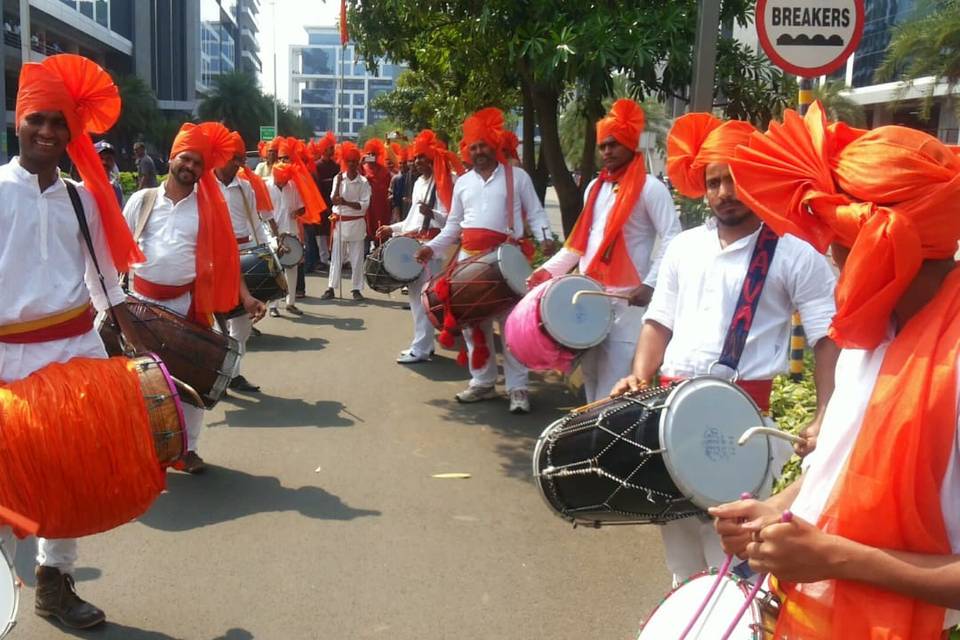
(926, 46)
(236, 100)
(139, 113)
(839, 106)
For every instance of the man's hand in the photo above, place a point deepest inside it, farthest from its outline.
(384, 232)
(809, 435)
(337, 200)
(129, 328)
(795, 551)
(732, 520)
(631, 383)
(538, 277)
(426, 211)
(549, 246)
(255, 308)
(641, 296)
(424, 254)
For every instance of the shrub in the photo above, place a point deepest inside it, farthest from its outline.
(793, 405)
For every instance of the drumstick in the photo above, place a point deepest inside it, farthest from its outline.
(767, 431)
(606, 294)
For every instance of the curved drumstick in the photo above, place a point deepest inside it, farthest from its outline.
(183, 387)
(605, 294)
(767, 431)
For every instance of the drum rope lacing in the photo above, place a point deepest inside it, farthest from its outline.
(591, 465)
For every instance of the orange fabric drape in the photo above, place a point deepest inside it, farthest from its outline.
(445, 163)
(90, 102)
(699, 139)
(486, 125)
(297, 172)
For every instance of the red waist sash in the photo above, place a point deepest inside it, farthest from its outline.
(60, 326)
(482, 240)
(168, 292)
(758, 390)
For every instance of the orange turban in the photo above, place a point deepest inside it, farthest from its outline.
(347, 152)
(89, 101)
(260, 191)
(510, 144)
(699, 139)
(888, 195)
(625, 123)
(262, 149)
(376, 148)
(326, 142)
(485, 125)
(237, 145)
(217, 288)
(399, 154)
(297, 171)
(445, 162)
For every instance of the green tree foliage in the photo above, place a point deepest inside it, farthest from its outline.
(139, 114)
(839, 106)
(377, 130)
(533, 54)
(926, 46)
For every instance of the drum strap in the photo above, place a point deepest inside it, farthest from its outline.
(246, 207)
(508, 176)
(746, 307)
(146, 209)
(88, 240)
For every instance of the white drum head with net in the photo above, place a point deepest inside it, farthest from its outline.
(514, 267)
(699, 430)
(668, 621)
(576, 326)
(398, 258)
(9, 594)
(293, 250)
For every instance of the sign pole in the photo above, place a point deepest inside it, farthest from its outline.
(798, 339)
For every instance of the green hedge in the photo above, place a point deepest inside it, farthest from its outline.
(793, 405)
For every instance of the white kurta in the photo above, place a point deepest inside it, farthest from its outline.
(242, 204)
(349, 235)
(422, 343)
(482, 204)
(856, 375)
(45, 269)
(654, 216)
(169, 242)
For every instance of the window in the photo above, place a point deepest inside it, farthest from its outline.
(318, 96)
(321, 119)
(86, 8)
(324, 38)
(319, 61)
(103, 13)
(358, 114)
(881, 17)
(358, 99)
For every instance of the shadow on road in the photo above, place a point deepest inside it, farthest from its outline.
(441, 369)
(222, 494)
(341, 324)
(112, 630)
(273, 342)
(262, 410)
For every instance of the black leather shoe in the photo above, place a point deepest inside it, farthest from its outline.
(357, 295)
(255, 332)
(240, 383)
(57, 597)
(328, 295)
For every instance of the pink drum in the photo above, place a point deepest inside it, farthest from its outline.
(546, 331)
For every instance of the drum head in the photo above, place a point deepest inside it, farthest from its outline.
(398, 258)
(674, 613)
(9, 594)
(576, 326)
(293, 250)
(514, 268)
(705, 417)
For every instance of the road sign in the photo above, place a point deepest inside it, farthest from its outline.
(809, 37)
(268, 133)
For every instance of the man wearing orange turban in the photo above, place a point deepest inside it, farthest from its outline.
(712, 279)
(873, 548)
(264, 169)
(51, 289)
(431, 196)
(326, 170)
(490, 205)
(287, 178)
(184, 229)
(377, 174)
(624, 214)
(350, 196)
(249, 204)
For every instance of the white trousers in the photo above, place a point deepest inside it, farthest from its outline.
(290, 275)
(61, 554)
(422, 343)
(691, 545)
(322, 242)
(353, 250)
(193, 416)
(240, 329)
(515, 373)
(604, 365)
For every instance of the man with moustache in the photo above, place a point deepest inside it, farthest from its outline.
(696, 298)
(350, 196)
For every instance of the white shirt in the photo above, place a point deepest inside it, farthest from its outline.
(856, 376)
(284, 206)
(169, 241)
(697, 291)
(481, 204)
(414, 220)
(356, 190)
(242, 204)
(653, 215)
(45, 267)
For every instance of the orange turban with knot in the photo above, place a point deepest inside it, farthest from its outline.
(445, 163)
(217, 289)
(262, 149)
(890, 195)
(326, 142)
(260, 191)
(398, 153)
(296, 171)
(510, 145)
(348, 152)
(375, 148)
(625, 123)
(699, 139)
(485, 125)
(89, 101)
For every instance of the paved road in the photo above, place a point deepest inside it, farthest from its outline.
(319, 518)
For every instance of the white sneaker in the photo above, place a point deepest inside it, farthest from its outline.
(519, 401)
(408, 357)
(476, 394)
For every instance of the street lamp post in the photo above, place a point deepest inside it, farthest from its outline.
(273, 8)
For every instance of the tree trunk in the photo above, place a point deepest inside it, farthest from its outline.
(546, 102)
(588, 160)
(532, 162)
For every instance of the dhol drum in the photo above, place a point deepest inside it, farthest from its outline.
(670, 618)
(654, 456)
(194, 355)
(547, 331)
(481, 287)
(163, 408)
(392, 265)
(292, 254)
(262, 274)
(9, 593)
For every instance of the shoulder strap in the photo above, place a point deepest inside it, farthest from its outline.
(246, 207)
(146, 208)
(508, 176)
(746, 307)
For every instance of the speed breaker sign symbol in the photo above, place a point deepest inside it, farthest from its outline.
(809, 37)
